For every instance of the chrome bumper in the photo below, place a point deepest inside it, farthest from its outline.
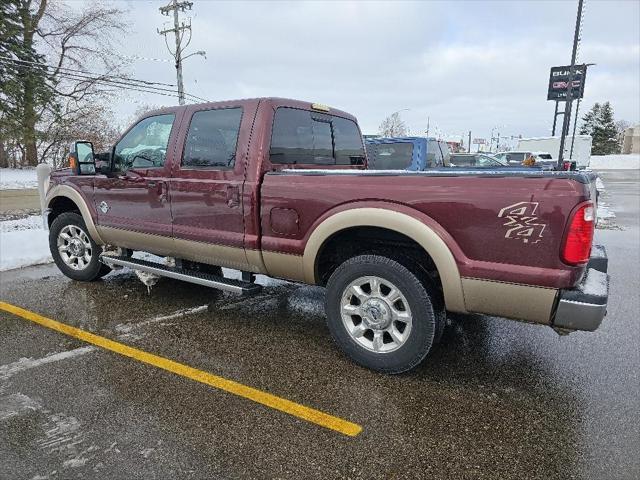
(584, 307)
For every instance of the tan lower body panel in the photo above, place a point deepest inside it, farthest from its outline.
(511, 300)
(221, 255)
(284, 265)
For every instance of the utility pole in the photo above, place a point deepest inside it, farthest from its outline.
(469, 146)
(566, 119)
(179, 29)
(428, 120)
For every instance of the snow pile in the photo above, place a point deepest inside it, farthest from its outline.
(605, 212)
(615, 162)
(23, 242)
(15, 179)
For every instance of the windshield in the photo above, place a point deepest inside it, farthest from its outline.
(477, 160)
(487, 161)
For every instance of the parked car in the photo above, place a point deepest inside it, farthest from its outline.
(541, 160)
(478, 160)
(581, 148)
(406, 153)
(278, 187)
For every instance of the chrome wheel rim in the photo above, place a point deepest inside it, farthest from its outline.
(376, 314)
(74, 247)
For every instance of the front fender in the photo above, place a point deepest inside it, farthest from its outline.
(66, 191)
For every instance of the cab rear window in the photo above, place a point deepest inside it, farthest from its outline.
(305, 137)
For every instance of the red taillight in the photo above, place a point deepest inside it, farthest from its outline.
(577, 245)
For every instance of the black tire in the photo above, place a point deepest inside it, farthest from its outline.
(94, 269)
(424, 322)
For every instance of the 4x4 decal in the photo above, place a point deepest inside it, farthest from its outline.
(522, 222)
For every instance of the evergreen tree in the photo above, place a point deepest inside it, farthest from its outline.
(23, 78)
(589, 119)
(599, 123)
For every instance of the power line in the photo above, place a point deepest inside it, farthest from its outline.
(126, 83)
(75, 70)
(102, 81)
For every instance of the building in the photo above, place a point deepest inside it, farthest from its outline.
(631, 140)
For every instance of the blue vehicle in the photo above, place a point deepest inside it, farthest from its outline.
(407, 153)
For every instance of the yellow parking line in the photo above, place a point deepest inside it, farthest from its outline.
(305, 413)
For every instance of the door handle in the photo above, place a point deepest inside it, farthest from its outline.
(233, 196)
(159, 187)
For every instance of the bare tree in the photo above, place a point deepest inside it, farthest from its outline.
(74, 43)
(393, 126)
(98, 128)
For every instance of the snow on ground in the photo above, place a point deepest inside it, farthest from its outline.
(13, 178)
(23, 242)
(615, 162)
(605, 211)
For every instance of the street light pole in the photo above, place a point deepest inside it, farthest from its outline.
(566, 120)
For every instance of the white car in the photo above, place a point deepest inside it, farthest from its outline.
(544, 160)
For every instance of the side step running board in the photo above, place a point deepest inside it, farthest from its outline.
(213, 281)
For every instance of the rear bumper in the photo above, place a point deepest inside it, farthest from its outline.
(584, 307)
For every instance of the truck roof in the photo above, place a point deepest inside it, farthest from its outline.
(273, 101)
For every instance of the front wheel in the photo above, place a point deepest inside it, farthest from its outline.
(380, 314)
(75, 253)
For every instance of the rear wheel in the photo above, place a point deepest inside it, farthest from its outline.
(75, 253)
(380, 314)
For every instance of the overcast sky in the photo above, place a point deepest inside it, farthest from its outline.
(467, 65)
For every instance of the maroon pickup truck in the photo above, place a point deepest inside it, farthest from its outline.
(279, 187)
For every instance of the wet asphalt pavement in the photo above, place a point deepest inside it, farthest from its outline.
(497, 399)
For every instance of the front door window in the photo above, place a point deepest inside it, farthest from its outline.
(145, 145)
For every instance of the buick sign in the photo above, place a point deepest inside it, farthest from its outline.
(559, 82)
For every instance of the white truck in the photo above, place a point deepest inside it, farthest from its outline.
(581, 148)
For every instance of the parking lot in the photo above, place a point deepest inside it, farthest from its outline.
(496, 399)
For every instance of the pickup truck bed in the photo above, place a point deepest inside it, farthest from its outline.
(278, 187)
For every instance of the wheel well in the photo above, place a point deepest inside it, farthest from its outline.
(375, 240)
(61, 205)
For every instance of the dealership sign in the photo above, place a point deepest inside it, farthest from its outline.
(479, 141)
(559, 82)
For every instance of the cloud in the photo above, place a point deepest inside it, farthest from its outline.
(466, 65)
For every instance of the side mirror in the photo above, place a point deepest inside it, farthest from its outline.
(81, 158)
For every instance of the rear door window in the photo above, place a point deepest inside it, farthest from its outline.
(516, 157)
(390, 156)
(305, 137)
(463, 160)
(212, 138)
